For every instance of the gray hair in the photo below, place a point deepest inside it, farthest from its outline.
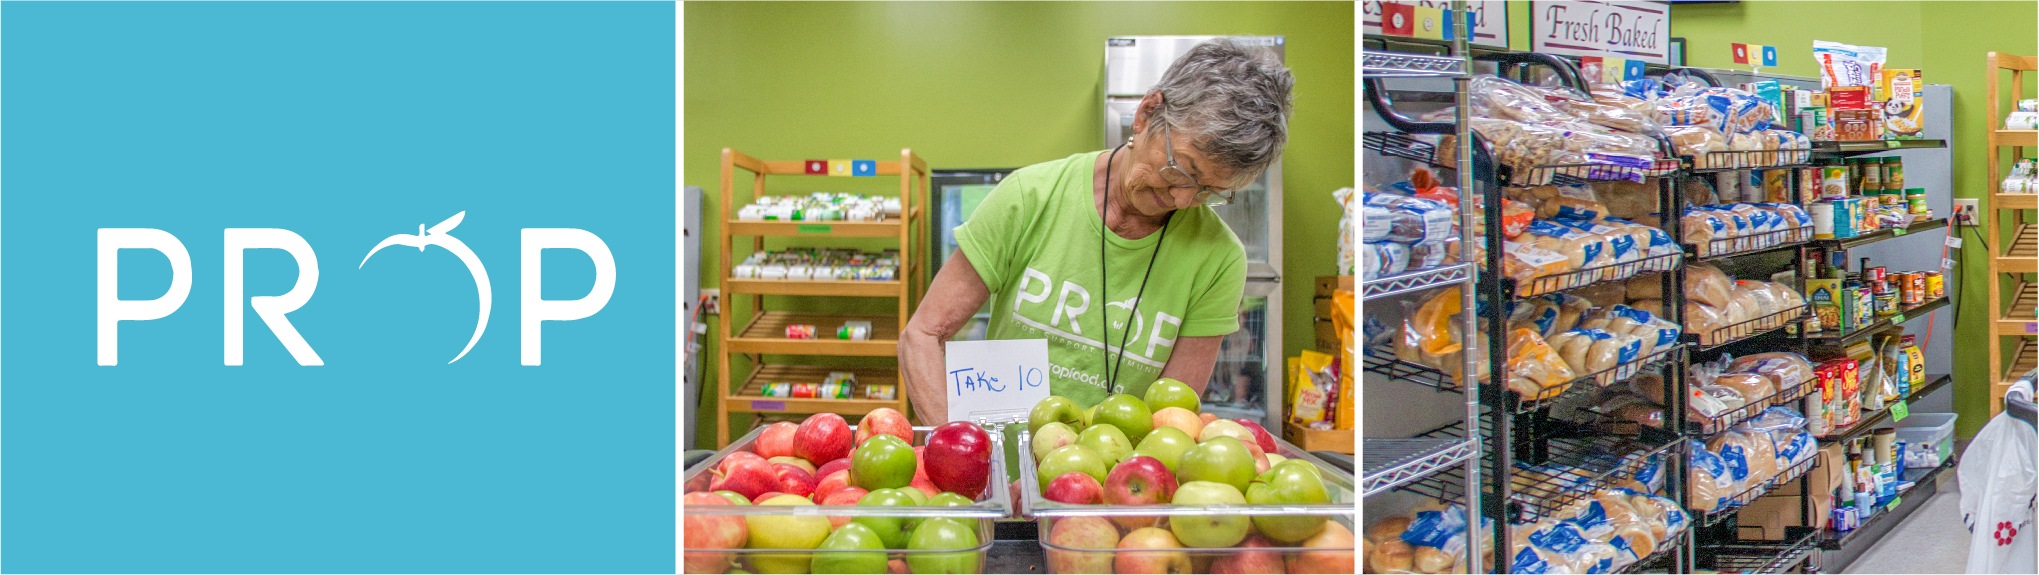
(1233, 102)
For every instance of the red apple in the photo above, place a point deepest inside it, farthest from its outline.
(833, 466)
(777, 440)
(1207, 417)
(1081, 533)
(1150, 561)
(1179, 418)
(887, 421)
(845, 496)
(897, 567)
(1260, 434)
(748, 477)
(830, 483)
(824, 437)
(1140, 480)
(1260, 462)
(1076, 488)
(959, 455)
(735, 457)
(925, 486)
(1250, 561)
(919, 461)
(1332, 551)
(794, 480)
(711, 532)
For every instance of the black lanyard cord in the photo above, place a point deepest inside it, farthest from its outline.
(1104, 292)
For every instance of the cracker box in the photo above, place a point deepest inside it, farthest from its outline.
(1904, 108)
(1825, 297)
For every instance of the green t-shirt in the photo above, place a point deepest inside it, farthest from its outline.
(1034, 241)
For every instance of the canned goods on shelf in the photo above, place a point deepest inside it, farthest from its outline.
(881, 391)
(1936, 286)
(1886, 304)
(800, 331)
(778, 390)
(835, 390)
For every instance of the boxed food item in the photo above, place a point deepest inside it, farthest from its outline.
(1852, 125)
(1904, 106)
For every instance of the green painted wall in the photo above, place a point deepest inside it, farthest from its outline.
(1947, 40)
(986, 85)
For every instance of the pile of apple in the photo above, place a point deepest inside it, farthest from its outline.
(1162, 450)
(876, 464)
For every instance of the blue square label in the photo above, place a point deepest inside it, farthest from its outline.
(863, 168)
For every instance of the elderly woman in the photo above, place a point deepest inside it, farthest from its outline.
(1114, 256)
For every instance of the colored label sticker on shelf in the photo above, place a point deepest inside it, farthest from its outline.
(995, 380)
(1894, 501)
(816, 228)
(768, 405)
(1893, 144)
(1897, 319)
(1899, 411)
(2032, 328)
(863, 167)
(1899, 231)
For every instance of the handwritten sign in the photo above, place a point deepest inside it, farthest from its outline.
(1633, 30)
(996, 379)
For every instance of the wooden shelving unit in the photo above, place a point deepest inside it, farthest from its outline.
(2012, 335)
(763, 332)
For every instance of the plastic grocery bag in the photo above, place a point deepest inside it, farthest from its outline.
(1997, 475)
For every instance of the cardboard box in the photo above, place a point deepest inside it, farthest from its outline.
(1765, 518)
(1327, 336)
(1328, 284)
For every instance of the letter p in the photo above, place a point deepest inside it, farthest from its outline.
(112, 309)
(534, 308)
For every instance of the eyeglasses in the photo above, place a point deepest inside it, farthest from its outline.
(1177, 178)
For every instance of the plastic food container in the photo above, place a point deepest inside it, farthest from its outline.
(992, 504)
(1934, 430)
(1064, 557)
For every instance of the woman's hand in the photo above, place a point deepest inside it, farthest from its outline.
(955, 295)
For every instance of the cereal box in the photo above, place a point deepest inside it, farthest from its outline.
(1904, 108)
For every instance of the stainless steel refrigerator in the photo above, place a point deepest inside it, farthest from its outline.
(1248, 380)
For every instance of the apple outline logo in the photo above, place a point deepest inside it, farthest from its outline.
(437, 236)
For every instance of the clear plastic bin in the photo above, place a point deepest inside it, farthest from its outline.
(1342, 511)
(1079, 558)
(1935, 430)
(993, 503)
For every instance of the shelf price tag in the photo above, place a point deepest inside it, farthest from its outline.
(1894, 144)
(1894, 501)
(2031, 327)
(1897, 319)
(995, 379)
(1899, 231)
(1899, 411)
(816, 228)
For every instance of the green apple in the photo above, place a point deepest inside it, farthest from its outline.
(1089, 417)
(1293, 482)
(1054, 408)
(919, 497)
(892, 531)
(1208, 530)
(1273, 460)
(1127, 413)
(847, 546)
(942, 533)
(1051, 436)
(949, 499)
(882, 462)
(734, 497)
(1170, 392)
(1227, 428)
(1221, 459)
(1075, 458)
(1166, 444)
(785, 532)
(1107, 441)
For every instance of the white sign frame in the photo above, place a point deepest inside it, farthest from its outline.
(1629, 30)
(1491, 30)
(994, 381)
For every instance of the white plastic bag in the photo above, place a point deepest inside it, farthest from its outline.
(1997, 475)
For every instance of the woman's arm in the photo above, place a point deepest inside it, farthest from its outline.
(955, 295)
(1192, 360)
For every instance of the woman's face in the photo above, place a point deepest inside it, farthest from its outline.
(1147, 192)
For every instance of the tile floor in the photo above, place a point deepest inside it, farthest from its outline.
(1931, 540)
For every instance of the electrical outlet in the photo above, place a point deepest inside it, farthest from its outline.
(1965, 212)
(714, 305)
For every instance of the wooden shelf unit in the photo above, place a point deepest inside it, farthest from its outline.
(763, 332)
(2012, 344)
